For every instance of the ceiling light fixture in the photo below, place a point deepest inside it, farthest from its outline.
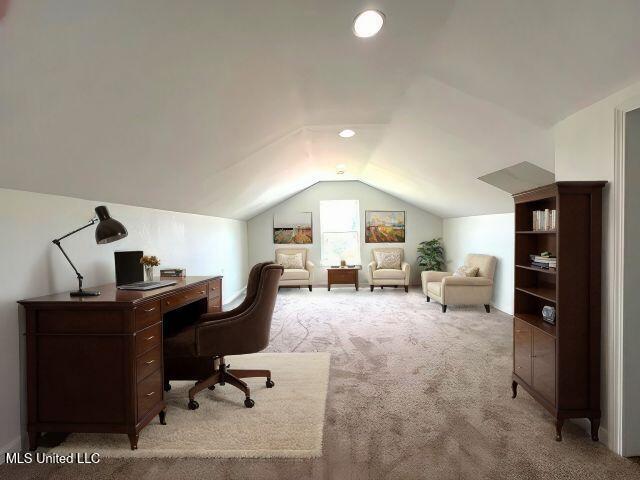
(347, 133)
(341, 168)
(368, 23)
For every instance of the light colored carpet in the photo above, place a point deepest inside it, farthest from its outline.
(286, 421)
(413, 394)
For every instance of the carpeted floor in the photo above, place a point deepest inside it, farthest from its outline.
(413, 393)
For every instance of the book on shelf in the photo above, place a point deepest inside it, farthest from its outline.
(544, 220)
(543, 261)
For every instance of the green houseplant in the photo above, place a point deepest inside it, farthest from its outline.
(431, 255)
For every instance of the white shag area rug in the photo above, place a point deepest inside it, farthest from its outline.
(287, 420)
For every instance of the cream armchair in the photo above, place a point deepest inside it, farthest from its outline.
(450, 290)
(389, 276)
(296, 277)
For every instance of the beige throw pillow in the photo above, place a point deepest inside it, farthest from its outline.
(465, 271)
(388, 260)
(290, 261)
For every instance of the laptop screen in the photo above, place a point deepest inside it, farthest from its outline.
(128, 267)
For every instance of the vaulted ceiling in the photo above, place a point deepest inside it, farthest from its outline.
(227, 107)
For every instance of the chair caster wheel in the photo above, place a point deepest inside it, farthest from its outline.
(193, 405)
(212, 387)
(249, 403)
(269, 383)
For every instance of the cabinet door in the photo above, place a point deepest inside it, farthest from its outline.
(522, 332)
(544, 365)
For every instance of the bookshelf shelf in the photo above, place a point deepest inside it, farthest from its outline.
(559, 365)
(538, 323)
(545, 293)
(550, 271)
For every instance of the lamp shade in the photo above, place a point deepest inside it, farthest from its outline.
(108, 229)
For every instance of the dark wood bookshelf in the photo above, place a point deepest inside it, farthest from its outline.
(559, 365)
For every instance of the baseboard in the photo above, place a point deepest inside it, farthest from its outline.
(503, 308)
(585, 424)
(235, 295)
(13, 446)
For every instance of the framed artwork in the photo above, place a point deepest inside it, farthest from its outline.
(384, 226)
(292, 228)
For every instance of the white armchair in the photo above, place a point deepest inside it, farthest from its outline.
(389, 276)
(297, 277)
(451, 290)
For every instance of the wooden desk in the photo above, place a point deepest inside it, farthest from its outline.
(94, 364)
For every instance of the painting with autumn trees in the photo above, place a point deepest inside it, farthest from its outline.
(384, 226)
(292, 228)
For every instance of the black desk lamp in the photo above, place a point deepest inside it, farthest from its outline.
(107, 231)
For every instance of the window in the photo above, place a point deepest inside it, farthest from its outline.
(340, 231)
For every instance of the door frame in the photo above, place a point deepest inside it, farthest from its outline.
(615, 273)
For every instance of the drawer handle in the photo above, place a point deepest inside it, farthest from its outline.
(150, 310)
(151, 337)
(149, 362)
(149, 394)
(202, 292)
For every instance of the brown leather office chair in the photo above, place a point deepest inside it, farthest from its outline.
(197, 351)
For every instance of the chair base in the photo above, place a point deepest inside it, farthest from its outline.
(222, 376)
(406, 287)
(487, 307)
(310, 287)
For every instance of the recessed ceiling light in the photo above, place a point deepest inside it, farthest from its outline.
(341, 168)
(368, 23)
(347, 133)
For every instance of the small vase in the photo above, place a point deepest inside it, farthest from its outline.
(148, 273)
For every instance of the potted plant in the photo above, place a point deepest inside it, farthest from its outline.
(149, 262)
(431, 255)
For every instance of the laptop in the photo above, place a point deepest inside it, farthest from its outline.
(130, 273)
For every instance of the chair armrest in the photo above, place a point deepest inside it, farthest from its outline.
(309, 267)
(370, 270)
(467, 281)
(431, 276)
(406, 268)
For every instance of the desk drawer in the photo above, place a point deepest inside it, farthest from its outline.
(148, 363)
(215, 287)
(148, 338)
(149, 393)
(182, 298)
(147, 314)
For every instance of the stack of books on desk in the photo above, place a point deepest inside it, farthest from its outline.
(173, 272)
(543, 261)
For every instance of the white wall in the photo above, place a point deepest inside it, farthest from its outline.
(32, 266)
(420, 225)
(488, 234)
(631, 309)
(585, 146)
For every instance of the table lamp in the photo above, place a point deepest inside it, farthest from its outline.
(108, 230)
